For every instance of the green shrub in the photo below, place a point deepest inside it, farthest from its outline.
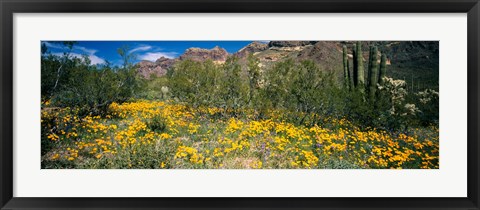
(157, 124)
(72, 82)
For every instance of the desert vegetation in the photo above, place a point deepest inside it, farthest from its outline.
(237, 114)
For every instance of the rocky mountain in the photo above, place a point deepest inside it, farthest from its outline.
(325, 54)
(414, 61)
(216, 54)
(405, 58)
(147, 68)
(157, 68)
(253, 47)
(290, 43)
(161, 65)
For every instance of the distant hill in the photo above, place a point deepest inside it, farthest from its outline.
(161, 65)
(416, 61)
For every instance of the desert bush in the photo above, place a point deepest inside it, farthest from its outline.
(75, 83)
(303, 89)
(197, 83)
(392, 109)
(153, 88)
(233, 90)
(428, 104)
(157, 124)
(92, 89)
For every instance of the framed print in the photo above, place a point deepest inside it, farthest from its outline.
(239, 105)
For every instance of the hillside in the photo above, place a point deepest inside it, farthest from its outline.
(413, 61)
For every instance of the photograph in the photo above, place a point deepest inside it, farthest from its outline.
(239, 104)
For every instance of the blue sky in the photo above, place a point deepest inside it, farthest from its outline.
(101, 51)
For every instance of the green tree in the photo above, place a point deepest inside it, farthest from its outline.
(54, 68)
(197, 83)
(184, 81)
(233, 88)
(279, 80)
(254, 78)
(90, 88)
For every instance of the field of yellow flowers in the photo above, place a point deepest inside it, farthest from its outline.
(168, 135)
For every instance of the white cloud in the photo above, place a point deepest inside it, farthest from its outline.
(94, 60)
(153, 56)
(151, 53)
(77, 52)
(141, 48)
(55, 46)
(76, 48)
(86, 50)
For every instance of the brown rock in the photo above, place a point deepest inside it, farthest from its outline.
(290, 43)
(251, 48)
(216, 54)
(157, 68)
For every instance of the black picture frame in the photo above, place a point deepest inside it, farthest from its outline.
(10, 7)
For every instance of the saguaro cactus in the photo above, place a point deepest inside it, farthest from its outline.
(350, 81)
(360, 70)
(355, 67)
(346, 70)
(372, 72)
(383, 69)
(369, 67)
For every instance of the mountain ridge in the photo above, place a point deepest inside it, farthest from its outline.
(404, 57)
